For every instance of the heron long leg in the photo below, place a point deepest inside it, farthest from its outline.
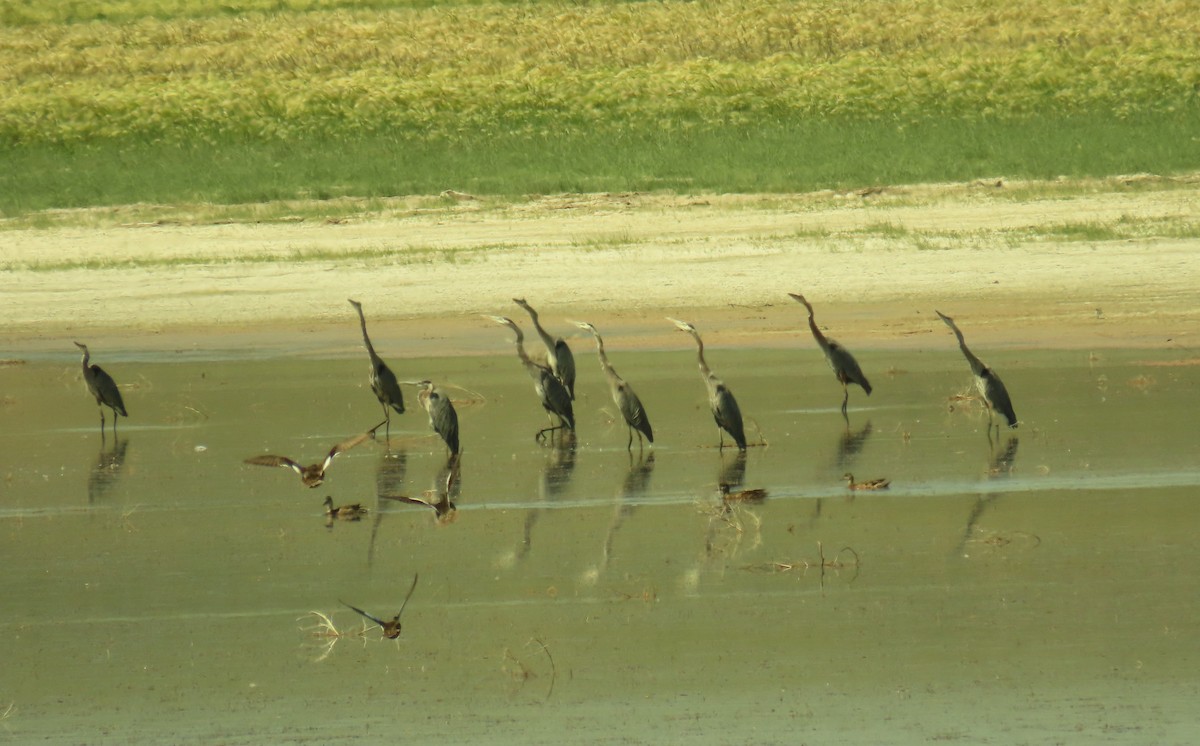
(845, 397)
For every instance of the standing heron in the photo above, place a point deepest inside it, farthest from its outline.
(720, 399)
(622, 394)
(995, 396)
(390, 629)
(104, 389)
(443, 420)
(555, 398)
(845, 367)
(383, 380)
(558, 355)
(314, 474)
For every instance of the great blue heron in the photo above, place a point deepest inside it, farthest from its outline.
(555, 398)
(383, 380)
(103, 388)
(720, 399)
(390, 629)
(314, 474)
(845, 367)
(558, 355)
(995, 396)
(622, 394)
(870, 484)
(443, 419)
(352, 512)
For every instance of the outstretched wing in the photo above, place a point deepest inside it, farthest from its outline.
(345, 445)
(276, 461)
(378, 621)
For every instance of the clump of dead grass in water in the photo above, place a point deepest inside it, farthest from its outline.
(520, 674)
(326, 634)
(822, 563)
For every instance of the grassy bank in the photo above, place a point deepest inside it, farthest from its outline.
(165, 101)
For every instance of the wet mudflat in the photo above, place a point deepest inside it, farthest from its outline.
(1040, 587)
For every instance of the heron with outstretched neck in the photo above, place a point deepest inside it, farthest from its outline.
(844, 366)
(558, 354)
(553, 395)
(312, 475)
(390, 628)
(443, 419)
(724, 407)
(102, 386)
(989, 385)
(623, 395)
(382, 379)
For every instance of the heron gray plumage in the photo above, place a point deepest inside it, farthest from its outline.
(555, 398)
(623, 394)
(989, 385)
(382, 379)
(102, 386)
(725, 410)
(844, 366)
(558, 354)
(443, 419)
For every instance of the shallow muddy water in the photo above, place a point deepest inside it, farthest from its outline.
(1042, 587)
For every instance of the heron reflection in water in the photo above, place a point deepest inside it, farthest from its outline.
(1000, 466)
(633, 487)
(850, 444)
(389, 480)
(557, 469)
(107, 469)
(444, 494)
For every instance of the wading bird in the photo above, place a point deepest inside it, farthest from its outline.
(845, 367)
(553, 395)
(995, 396)
(103, 388)
(390, 629)
(622, 394)
(558, 355)
(720, 399)
(870, 484)
(443, 420)
(313, 475)
(383, 380)
(351, 512)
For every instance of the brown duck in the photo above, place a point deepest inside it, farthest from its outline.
(352, 512)
(314, 474)
(870, 484)
(390, 629)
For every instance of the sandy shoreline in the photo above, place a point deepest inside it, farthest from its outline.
(875, 268)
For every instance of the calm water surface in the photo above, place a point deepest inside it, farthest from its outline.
(1041, 587)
